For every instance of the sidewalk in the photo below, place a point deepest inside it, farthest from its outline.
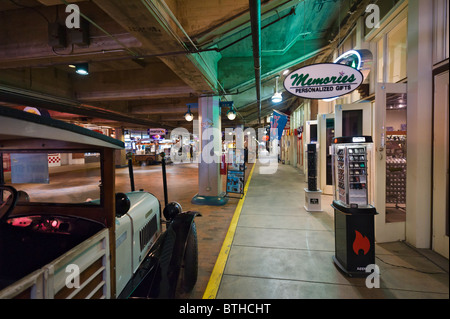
(279, 250)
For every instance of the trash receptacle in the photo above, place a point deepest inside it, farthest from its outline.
(354, 238)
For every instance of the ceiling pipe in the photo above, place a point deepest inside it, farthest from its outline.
(291, 12)
(255, 21)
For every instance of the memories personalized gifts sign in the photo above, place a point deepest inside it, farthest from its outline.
(323, 81)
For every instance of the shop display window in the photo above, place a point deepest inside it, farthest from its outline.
(397, 51)
(392, 54)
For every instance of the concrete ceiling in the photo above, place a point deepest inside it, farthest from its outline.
(149, 58)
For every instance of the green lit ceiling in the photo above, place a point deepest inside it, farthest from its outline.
(290, 34)
(149, 58)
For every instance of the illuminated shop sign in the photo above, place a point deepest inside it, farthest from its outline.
(357, 59)
(351, 58)
(323, 81)
(156, 131)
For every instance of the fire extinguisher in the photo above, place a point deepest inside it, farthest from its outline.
(223, 166)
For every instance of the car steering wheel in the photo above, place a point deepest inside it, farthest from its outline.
(7, 206)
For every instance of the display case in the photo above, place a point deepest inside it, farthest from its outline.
(354, 229)
(396, 169)
(351, 162)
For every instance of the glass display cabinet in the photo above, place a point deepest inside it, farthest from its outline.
(351, 160)
(353, 214)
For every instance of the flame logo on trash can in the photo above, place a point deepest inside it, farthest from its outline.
(361, 242)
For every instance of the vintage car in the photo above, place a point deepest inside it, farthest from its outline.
(62, 240)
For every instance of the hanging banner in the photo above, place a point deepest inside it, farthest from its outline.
(323, 81)
(278, 121)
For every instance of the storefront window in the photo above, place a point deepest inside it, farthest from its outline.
(385, 7)
(397, 50)
(380, 60)
(392, 54)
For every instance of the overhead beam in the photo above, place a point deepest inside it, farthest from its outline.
(150, 109)
(157, 35)
(57, 2)
(156, 80)
(26, 97)
(29, 46)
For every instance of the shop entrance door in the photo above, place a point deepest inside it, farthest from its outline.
(325, 124)
(441, 227)
(390, 161)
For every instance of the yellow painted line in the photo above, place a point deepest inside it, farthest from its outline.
(217, 273)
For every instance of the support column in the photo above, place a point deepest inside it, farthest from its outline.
(239, 129)
(210, 137)
(419, 121)
(121, 156)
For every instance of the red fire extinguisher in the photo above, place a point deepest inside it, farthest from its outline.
(223, 166)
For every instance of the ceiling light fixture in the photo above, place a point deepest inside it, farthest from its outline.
(188, 115)
(231, 114)
(82, 68)
(277, 97)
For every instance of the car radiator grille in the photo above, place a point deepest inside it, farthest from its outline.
(147, 232)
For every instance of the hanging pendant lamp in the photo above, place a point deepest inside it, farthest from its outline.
(277, 97)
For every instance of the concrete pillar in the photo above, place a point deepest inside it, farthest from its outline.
(120, 156)
(419, 121)
(239, 137)
(210, 137)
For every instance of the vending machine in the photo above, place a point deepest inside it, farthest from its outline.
(353, 214)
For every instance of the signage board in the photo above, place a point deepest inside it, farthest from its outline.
(323, 81)
(156, 131)
(235, 181)
(29, 168)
